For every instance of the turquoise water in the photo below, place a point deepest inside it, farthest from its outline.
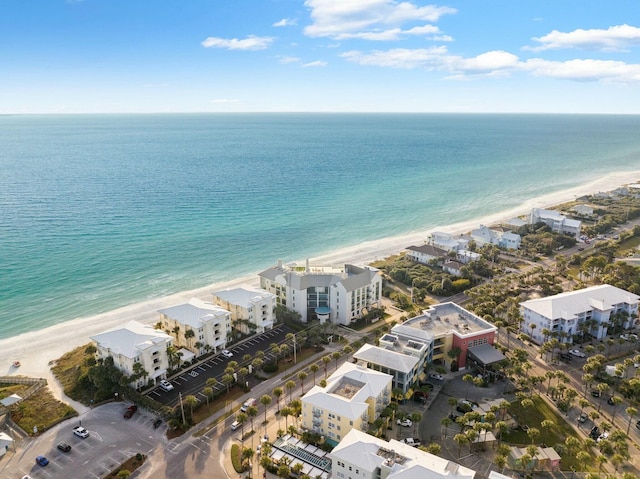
(101, 211)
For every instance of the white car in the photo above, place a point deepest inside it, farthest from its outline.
(577, 353)
(226, 353)
(235, 425)
(81, 432)
(406, 422)
(166, 385)
(436, 377)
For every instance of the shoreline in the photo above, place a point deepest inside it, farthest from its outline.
(36, 349)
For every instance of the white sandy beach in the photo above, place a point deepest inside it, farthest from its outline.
(35, 350)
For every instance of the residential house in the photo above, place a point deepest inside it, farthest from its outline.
(453, 267)
(353, 398)
(496, 236)
(137, 350)
(588, 311)
(447, 241)
(339, 295)
(362, 456)
(252, 309)
(197, 326)
(583, 210)
(465, 256)
(546, 458)
(425, 253)
(556, 221)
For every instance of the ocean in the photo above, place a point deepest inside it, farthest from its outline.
(103, 211)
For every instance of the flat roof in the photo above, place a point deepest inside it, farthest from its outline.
(486, 354)
(444, 318)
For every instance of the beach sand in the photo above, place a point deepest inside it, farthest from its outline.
(35, 350)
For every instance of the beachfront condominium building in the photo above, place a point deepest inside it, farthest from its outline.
(448, 242)
(138, 350)
(252, 309)
(410, 346)
(362, 456)
(353, 398)
(556, 221)
(197, 326)
(339, 295)
(588, 312)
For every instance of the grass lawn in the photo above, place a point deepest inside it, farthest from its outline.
(551, 436)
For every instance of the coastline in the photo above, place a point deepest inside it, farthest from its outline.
(35, 350)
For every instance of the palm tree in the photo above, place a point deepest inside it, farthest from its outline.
(415, 419)
(277, 392)
(252, 412)
(632, 412)
(285, 412)
(189, 334)
(326, 360)
(460, 439)
(241, 418)
(208, 393)
(453, 402)
(265, 400)
(290, 385)
(302, 376)
(227, 380)
(314, 368)
(446, 422)
(336, 355)
(191, 401)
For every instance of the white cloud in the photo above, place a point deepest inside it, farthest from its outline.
(224, 100)
(614, 38)
(285, 22)
(252, 42)
(584, 70)
(403, 58)
(497, 64)
(317, 63)
(342, 19)
(287, 59)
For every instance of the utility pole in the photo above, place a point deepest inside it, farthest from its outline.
(184, 421)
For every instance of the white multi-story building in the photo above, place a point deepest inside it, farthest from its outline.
(556, 221)
(362, 456)
(565, 312)
(133, 344)
(252, 309)
(353, 397)
(339, 295)
(197, 326)
(447, 241)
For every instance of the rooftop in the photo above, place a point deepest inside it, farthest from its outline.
(346, 387)
(442, 319)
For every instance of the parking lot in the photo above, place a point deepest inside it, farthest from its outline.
(112, 440)
(193, 380)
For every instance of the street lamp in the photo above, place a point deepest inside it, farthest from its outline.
(116, 394)
(295, 359)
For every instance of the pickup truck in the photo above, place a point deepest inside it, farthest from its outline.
(411, 441)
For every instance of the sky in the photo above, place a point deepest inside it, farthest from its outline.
(466, 56)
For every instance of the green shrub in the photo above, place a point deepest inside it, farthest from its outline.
(236, 459)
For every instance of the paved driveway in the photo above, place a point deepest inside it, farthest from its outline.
(112, 440)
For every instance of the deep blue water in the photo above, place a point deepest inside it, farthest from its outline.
(101, 211)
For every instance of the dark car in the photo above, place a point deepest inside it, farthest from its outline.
(566, 357)
(463, 408)
(595, 432)
(42, 461)
(610, 400)
(64, 447)
(638, 424)
(429, 386)
(454, 417)
(156, 423)
(595, 393)
(131, 410)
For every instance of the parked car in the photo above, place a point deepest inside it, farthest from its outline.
(566, 357)
(577, 353)
(411, 441)
(595, 432)
(583, 418)
(406, 422)
(131, 410)
(610, 401)
(638, 424)
(235, 425)
(81, 432)
(436, 376)
(64, 447)
(595, 393)
(602, 436)
(166, 385)
(156, 423)
(625, 337)
(454, 417)
(226, 353)
(42, 461)
(429, 386)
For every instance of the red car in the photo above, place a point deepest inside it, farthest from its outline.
(131, 410)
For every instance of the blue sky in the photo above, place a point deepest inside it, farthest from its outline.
(93, 56)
